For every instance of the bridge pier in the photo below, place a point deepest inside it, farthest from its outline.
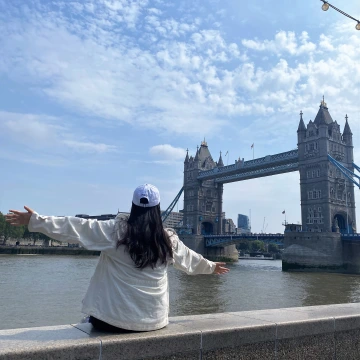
(322, 251)
(222, 253)
(227, 253)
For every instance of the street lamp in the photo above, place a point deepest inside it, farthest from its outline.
(325, 6)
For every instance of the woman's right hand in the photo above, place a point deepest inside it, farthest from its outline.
(18, 218)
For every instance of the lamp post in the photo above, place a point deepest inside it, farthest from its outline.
(326, 5)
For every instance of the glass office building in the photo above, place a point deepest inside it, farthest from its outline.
(243, 223)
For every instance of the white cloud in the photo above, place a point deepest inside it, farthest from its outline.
(44, 134)
(196, 85)
(89, 147)
(285, 41)
(32, 130)
(325, 43)
(168, 152)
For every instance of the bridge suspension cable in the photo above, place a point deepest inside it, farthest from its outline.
(166, 213)
(348, 173)
(356, 167)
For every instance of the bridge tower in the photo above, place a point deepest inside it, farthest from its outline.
(202, 199)
(327, 196)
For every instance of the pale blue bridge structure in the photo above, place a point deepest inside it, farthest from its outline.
(223, 240)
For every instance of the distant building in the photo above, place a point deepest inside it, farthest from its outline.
(228, 226)
(174, 220)
(243, 224)
(97, 217)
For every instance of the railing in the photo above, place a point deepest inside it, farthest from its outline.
(351, 237)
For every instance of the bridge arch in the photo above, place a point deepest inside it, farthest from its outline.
(207, 228)
(343, 222)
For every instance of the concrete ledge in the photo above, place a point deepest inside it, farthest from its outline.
(315, 332)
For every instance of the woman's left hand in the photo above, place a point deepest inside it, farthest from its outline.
(220, 269)
(18, 218)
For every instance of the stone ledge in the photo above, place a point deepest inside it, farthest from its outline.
(313, 332)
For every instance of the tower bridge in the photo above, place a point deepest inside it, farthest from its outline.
(324, 160)
(327, 195)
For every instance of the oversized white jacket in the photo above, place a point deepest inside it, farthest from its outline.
(119, 293)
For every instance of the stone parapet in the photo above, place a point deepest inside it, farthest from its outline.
(315, 332)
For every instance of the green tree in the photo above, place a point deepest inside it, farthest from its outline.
(243, 245)
(273, 248)
(2, 224)
(257, 245)
(17, 232)
(8, 231)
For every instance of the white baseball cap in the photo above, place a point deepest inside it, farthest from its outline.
(149, 192)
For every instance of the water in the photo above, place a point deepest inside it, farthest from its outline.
(38, 290)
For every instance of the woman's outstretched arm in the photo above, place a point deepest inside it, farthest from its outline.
(191, 262)
(92, 234)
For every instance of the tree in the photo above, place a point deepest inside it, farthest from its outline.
(273, 248)
(243, 245)
(2, 224)
(8, 231)
(257, 245)
(17, 232)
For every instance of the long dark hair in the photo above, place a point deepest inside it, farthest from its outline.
(145, 238)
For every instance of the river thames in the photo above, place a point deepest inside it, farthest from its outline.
(37, 290)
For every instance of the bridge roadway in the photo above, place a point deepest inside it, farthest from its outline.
(242, 170)
(219, 240)
(222, 240)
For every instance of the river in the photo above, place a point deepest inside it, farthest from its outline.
(38, 290)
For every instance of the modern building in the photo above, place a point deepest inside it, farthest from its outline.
(243, 224)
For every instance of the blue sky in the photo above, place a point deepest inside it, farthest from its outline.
(97, 97)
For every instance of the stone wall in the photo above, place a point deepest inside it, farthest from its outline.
(194, 242)
(315, 332)
(313, 250)
(351, 256)
(53, 250)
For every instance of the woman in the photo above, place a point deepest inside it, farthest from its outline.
(129, 289)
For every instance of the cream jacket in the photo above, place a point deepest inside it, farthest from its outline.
(119, 293)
